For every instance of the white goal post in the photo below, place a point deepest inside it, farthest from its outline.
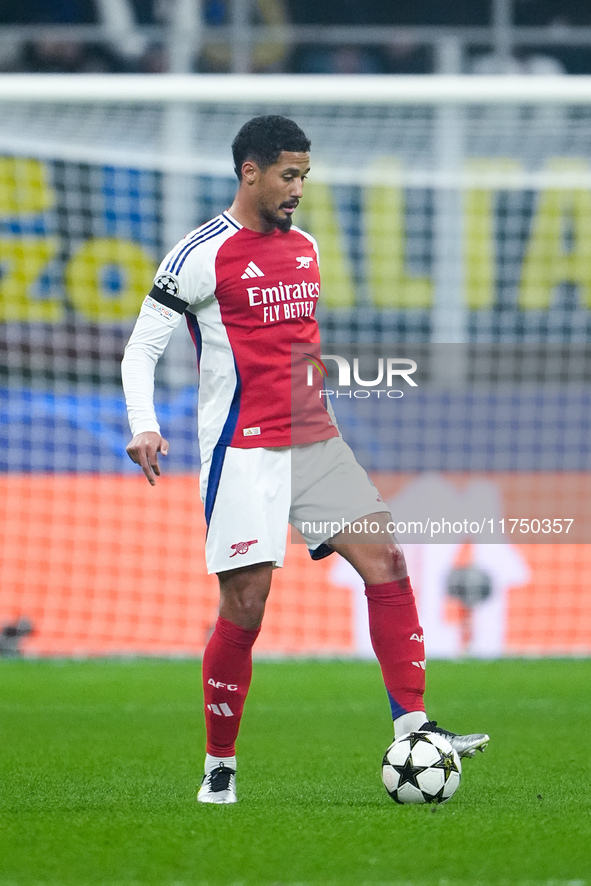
(297, 88)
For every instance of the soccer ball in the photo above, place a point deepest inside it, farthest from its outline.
(421, 767)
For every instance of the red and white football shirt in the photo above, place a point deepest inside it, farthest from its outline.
(248, 297)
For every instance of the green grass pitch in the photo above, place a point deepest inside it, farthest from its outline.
(100, 761)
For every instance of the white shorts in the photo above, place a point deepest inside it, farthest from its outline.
(252, 495)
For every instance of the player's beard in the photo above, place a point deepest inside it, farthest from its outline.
(283, 222)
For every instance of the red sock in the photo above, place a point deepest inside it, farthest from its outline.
(227, 671)
(397, 639)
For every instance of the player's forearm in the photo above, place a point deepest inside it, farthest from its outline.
(137, 373)
(144, 349)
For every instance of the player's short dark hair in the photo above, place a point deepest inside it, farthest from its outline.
(263, 139)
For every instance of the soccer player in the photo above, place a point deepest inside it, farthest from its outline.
(248, 284)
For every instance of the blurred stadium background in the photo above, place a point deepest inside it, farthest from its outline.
(449, 209)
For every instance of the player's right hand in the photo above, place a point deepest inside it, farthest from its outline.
(144, 449)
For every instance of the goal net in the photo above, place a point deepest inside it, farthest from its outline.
(453, 217)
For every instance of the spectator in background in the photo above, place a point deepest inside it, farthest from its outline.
(337, 60)
(405, 56)
(401, 57)
(519, 62)
(53, 55)
(559, 14)
(49, 55)
(124, 48)
(154, 59)
(269, 55)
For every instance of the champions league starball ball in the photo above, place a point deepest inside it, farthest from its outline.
(421, 767)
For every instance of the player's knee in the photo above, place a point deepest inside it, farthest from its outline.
(388, 562)
(251, 604)
(245, 610)
(243, 597)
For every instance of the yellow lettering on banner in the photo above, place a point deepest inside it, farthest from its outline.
(384, 212)
(22, 260)
(25, 190)
(24, 186)
(318, 214)
(85, 279)
(559, 248)
(479, 227)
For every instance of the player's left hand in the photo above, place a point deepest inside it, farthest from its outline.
(144, 449)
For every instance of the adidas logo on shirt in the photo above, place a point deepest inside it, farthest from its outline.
(252, 271)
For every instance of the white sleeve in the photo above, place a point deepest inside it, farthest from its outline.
(145, 347)
(161, 313)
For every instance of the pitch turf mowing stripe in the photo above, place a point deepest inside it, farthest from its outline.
(99, 764)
